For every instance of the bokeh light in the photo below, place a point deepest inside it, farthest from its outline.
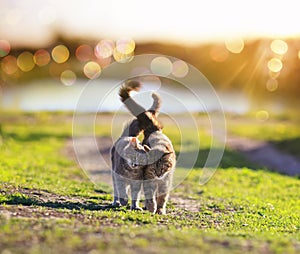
(9, 65)
(4, 48)
(25, 61)
(275, 64)
(68, 77)
(219, 54)
(262, 115)
(180, 69)
(104, 61)
(84, 53)
(279, 47)
(41, 57)
(122, 58)
(235, 45)
(60, 54)
(161, 66)
(272, 85)
(125, 46)
(299, 54)
(92, 70)
(104, 49)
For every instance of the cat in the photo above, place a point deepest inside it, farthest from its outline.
(158, 174)
(129, 158)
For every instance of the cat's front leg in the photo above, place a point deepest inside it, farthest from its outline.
(150, 200)
(135, 186)
(121, 187)
(162, 195)
(116, 202)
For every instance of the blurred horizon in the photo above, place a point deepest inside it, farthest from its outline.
(34, 23)
(251, 48)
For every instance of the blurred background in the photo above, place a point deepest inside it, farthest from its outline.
(248, 50)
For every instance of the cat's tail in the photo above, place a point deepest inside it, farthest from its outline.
(154, 109)
(131, 105)
(147, 119)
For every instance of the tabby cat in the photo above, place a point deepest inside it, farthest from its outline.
(161, 159)
(129, 158)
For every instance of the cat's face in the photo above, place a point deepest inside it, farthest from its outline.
(135, 154)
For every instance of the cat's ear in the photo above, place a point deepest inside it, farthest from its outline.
(147, 148)
(134, 142)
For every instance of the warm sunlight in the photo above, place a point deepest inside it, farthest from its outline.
(160, 20)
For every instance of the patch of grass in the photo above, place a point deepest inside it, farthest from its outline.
(283, 132)
(48, 205)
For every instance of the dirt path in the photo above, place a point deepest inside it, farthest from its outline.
(265, 154)
(94, 158)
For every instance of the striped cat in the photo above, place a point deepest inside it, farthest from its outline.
(161, 158)
(129, 158)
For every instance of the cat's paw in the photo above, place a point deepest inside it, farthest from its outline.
(161, 211)
(136, 208)
(150, 206)
(123, 201)
(116, 204)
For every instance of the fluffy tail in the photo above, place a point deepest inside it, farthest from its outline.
(155, 105)
(131, 105)
(147, 120)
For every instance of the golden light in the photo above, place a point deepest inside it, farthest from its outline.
(68, 77)
(9, 65)
(92, 70)
(235, 45)
(279, 47)
(219, 54)
(161, 66)
(84, 53)
(104, 49)
(122, 58)
(180, 69)
(272, 85)
(56, 69)
(60, 54)
(274, 75)
(41, 57)
(262, 115)
(125, 46)
(25, 61)
(275, 64)
(104, 61)
(299, 54)
(4, 48)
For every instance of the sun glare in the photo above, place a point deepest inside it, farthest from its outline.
(235, 45)
(92, 70)
(275, 64)
(68, 77)
(4, 48)
(279, 47)
(41, 57)
(25, 61)
(60, 54)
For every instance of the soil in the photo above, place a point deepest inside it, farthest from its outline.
(94, 157)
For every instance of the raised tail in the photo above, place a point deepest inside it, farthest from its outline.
(124, 93)
(147, 119)
(131, 105)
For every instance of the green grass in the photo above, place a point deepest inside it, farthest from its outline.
(47, 204)
(283, 132)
